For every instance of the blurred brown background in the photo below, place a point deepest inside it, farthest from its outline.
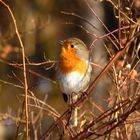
(41, 25)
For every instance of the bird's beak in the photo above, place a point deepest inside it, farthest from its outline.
(63, 50)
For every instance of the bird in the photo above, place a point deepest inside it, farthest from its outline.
(73, 69)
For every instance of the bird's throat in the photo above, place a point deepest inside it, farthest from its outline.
(69, 62)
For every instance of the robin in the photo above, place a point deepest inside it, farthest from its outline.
(73, 69)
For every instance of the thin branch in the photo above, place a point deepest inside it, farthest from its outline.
(24, 66)
(29, 70)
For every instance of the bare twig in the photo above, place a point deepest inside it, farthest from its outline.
(24, 66)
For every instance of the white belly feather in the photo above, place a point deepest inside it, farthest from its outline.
(74, 81)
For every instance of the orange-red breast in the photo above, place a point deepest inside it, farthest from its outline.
(74, 68)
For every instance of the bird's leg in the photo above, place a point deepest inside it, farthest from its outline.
(73, 116)
(84, 94)
(74, 113)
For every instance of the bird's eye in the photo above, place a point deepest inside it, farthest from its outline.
(72, 46)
